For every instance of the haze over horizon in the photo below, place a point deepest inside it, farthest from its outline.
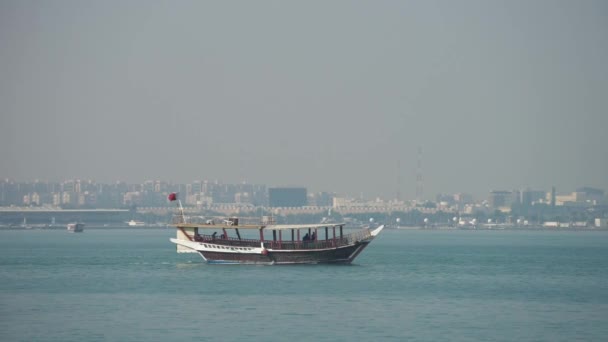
(334, 96)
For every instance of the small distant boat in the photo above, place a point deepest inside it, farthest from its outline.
(134, 223)
(76, 227)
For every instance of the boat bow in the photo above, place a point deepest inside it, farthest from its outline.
(377, 231)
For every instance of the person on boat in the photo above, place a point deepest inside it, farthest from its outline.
(213, 235)
(306, 237)
(314, 236)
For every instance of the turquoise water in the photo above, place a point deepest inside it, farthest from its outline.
(130, 285)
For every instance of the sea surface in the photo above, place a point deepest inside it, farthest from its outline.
(130, 285)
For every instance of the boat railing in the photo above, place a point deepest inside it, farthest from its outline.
(231, 241)
(347, 239)
(317, 244)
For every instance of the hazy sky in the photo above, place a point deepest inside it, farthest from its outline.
(332, 95)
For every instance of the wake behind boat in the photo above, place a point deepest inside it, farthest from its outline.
(277, 244)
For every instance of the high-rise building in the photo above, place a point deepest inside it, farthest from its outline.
(527, 197)
(287, 197)
(499, 198)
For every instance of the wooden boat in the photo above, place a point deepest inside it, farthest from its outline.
(269, 243)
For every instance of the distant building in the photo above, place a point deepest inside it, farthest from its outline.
(462, 198)
(445, 198)
(340, 202)
(287, 197)
(68, 186)
(527, 197)
(500, 199)
(596, 196)
(320, 199)
(582, 197)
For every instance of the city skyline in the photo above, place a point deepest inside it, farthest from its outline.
(39, 201)
(337, 95)
(165, 187)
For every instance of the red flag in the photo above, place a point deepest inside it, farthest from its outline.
(172, 196)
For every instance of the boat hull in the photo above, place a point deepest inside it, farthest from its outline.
(342, 250)
(341, 255)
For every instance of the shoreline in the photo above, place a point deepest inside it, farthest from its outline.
(159, 227)
(86, 227)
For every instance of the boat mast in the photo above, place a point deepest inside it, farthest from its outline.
(172, 197)
(181, 211)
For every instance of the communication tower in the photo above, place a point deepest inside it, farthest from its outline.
(399, 180)
(419, 189)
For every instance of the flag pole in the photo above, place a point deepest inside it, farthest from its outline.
(172, 197)
(181, 209)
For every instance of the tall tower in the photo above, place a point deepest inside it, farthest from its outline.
(399, 180)
(419, 190)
